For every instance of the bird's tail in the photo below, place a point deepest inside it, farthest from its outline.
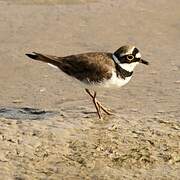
(41, 57)
(51, 60)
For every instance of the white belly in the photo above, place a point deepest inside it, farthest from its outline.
(113, 82)
(116, 81)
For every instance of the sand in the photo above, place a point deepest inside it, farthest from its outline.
(141, 141)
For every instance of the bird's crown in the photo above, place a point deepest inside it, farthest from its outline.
(129, 54)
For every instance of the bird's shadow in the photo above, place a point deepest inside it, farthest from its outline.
(25, 113)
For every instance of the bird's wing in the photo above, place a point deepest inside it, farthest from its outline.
(92, 67)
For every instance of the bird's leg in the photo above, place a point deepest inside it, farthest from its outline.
(95, 103)
(98, 109)
(98, 105)
(106, 110)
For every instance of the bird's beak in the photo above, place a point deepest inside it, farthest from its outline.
(144, 62)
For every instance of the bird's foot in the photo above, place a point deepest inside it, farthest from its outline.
(106, 110)
(98, 105)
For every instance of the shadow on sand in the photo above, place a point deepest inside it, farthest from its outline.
(25, 113)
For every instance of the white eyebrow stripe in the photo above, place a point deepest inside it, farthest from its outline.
(138, 55)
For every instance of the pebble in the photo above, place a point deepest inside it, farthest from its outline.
(177, 82)
(16, 101)
(42, 90)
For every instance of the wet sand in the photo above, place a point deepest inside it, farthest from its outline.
(141, 141)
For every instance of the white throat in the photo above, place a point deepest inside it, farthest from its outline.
(129, 67)
(126, 66)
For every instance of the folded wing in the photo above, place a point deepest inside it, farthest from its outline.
(89, 67)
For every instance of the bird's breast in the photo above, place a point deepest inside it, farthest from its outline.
(116, 81)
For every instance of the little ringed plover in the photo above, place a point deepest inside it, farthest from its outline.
(97, 68)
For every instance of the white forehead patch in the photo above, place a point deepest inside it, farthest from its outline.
(138, 55)
(128, 52)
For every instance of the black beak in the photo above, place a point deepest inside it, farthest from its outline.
(144, 62)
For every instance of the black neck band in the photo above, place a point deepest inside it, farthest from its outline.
(120, 71)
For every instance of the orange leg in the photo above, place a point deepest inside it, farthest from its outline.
(98, 105)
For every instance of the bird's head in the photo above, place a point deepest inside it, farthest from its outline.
(128, 57)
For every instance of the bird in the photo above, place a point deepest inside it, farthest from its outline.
(104, 69)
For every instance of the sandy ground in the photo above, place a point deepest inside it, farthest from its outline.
(142, 139)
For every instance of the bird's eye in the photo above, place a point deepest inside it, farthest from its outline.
(130, 57)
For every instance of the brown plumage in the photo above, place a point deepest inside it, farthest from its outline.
(88, 67)
(95, 67)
